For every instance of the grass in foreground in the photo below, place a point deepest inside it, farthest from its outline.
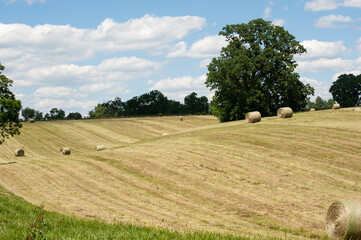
(22, 220)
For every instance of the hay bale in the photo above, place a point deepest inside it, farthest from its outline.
(336, 106)
(164, 134)
(312, 109)
(285, 112)
(180, 118)
(65, 151)
(343, 220)
(19, 153)
(31, 120)
(252, 117)
(99, 148)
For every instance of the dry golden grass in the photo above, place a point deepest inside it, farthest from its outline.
(272, 178)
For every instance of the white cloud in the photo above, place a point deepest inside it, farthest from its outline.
(278, 22)
(324, 64)
(54, 92)
(29, 2)
(331, 20)
(209, 46)
(267, 12)
(321, 88)
(204, 63)
(319, 49)
(352, 3)
(320, 5)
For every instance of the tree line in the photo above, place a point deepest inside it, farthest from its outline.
(153, 103)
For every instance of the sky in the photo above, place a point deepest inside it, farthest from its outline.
(75, 54)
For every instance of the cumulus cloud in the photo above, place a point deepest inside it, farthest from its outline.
(209, 46)
(324, 64)
(354, 72)
(332, 21)
(278, 22)
(321, 49)
(267, 12)
(321, 5)
(321, 88)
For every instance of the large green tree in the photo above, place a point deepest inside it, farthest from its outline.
(255, 71)
(346, 90)
(9, 109)
(28, 113)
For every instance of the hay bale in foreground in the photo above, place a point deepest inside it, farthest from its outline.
(285, 112)
(99, 148)
(252, 117)
(31, 120)
(343, 220)
(65, 151)
(312, 110)
(336, 106)
(19, 152)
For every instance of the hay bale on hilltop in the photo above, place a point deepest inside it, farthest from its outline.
(336, 106)
(343, 220)
(19, 152)
(252, 117)
(99, 148)
(65, 151)
(31, 120)
(312, 110)
(285, 112)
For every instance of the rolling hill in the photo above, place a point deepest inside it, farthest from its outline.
(274, 178)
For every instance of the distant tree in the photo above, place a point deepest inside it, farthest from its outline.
(195, 105)
(74, 115)
(47, 116)
(38, 116)
(9, 109)
(346, 90)
(28, 113)
(319, 103)
(98, 112)
(57, 114)
(256, 71)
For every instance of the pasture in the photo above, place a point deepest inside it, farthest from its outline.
(271, 179)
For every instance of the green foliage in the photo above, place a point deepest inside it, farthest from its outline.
(9, 109)
(150, 104)
(256, 71)
(17, 214)
(55, 114)
(320, 104)
(346, 90)
(38, 116)
(28, 113)
(195, 105)
(74, 115)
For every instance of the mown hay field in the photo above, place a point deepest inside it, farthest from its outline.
(274, 178)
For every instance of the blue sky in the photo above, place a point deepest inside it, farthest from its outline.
(75, 54)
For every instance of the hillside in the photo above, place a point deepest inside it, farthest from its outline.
(273, 178)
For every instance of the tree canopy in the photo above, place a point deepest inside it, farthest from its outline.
(9, 109)
(346, 90)
(255, 71)
(28, 113)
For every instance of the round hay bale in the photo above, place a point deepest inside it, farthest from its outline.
(164, 134)
(343, 220)
(312, 109)
(99, 148)
(31, 120)
(285, 112)
(65, 151)
(336, 106)
(252, 117)
(180, 118)
(19, 153)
